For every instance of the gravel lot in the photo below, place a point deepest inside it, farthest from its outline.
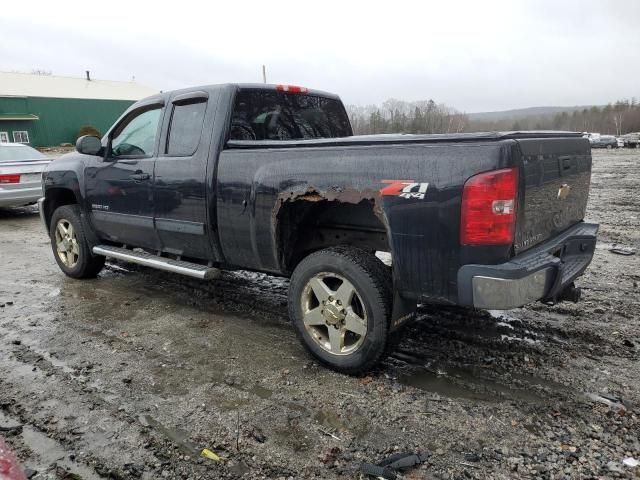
(132, 374)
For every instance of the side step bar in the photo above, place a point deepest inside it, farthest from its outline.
(154, 261)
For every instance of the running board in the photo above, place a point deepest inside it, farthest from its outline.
(154, 261)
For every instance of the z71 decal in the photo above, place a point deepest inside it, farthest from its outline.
(404, 189)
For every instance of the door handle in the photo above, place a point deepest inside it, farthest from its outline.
(140, 176)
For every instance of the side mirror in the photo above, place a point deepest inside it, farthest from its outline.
(88, 145)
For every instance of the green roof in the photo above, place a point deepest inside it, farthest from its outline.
(18, 116)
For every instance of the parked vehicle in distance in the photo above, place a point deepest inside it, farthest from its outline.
(270, 178)
(20, 174)
(604, 141)
(631, 140)
(620, 142)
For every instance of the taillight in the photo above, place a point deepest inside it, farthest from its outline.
(488, 215)
(291, 89)
(10, 178)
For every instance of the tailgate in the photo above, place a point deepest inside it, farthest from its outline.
(557, 174)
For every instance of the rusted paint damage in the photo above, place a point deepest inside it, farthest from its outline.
(286, 230)
(333, 194)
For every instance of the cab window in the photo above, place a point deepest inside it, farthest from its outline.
(136, 137)
(273, 115)
(185, 129)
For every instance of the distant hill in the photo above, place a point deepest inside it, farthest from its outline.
(520, 113)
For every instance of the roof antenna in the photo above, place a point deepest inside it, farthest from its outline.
(264, 74)
(88, 76)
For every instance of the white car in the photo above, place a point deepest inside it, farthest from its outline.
(20, 174)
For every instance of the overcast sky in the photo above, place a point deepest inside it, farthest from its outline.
(477, 55)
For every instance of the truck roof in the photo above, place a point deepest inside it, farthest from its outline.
(245, 86)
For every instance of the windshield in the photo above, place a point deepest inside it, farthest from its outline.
(18, 153)
(274, 115)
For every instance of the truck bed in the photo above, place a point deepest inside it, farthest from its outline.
(390, 139)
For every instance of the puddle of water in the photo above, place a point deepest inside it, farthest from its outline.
(355, 422)
(61, 364)
(465, 384)
(232, 405)
(47, 451)
(177, 436)
(261, 391)
(330, 419)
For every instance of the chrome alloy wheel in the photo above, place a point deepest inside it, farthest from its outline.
(333, 313)
(67, 243)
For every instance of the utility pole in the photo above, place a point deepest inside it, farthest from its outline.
(264, 74)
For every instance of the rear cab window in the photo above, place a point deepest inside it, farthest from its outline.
(185, 128)
(261, 114)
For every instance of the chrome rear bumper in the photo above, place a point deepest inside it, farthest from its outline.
(541, 273)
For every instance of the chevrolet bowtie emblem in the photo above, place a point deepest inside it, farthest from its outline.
(564, 191)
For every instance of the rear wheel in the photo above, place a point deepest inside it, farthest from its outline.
(340, 305)
(69, 243)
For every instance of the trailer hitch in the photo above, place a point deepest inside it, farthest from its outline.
(570, 293)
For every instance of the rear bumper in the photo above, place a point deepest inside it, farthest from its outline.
(541, 273)
(16, 197)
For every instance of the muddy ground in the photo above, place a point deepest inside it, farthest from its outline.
(132, 374)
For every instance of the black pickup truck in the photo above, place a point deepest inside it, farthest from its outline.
(270, 178)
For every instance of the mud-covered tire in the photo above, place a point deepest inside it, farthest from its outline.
(372, 283)
(86, 264)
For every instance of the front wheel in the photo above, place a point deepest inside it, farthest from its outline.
(70, 246)
(340, 305)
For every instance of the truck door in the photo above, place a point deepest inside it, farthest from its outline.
(180, 186)
(119, 189)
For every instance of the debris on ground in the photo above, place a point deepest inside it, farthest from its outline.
(611, 401)
(11, 428)
(329, 434)
(623, 251)
(206, 453)
(631, 462)
(388, 468)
